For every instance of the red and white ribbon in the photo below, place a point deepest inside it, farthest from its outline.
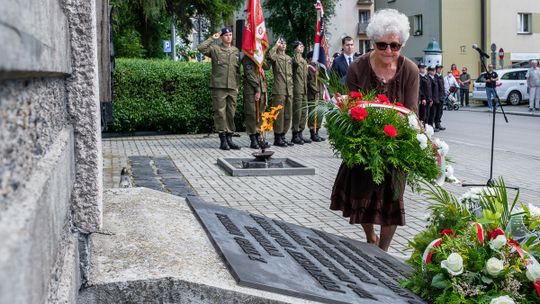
(428, 252)
(479, 231)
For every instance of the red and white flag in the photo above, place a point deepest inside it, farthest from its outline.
(255, 40)
(320, 50)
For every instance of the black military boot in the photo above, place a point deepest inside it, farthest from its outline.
(254, 143)
(278, 140)
(296, 139)
(314, 137)
(320, 137)
(263, 145)
(305, 140)
(230, 142)
(286, 141)
(223, 142)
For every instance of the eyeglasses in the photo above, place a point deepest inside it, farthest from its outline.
(382, 46)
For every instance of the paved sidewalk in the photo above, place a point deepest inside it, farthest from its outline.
(303, 200)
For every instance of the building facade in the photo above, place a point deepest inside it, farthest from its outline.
(458, 24)
(350, 19)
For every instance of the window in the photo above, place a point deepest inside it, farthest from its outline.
(364, 46)
(417, 25)
(363, 16)
(524, 23)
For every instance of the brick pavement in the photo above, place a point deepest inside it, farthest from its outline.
(304, 200)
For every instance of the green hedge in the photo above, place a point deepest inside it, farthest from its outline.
(162, 95)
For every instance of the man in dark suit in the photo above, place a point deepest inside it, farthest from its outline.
(424, 96)
(342, 62)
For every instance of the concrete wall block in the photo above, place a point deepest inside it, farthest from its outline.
(35, 40)
(66, 278)
(32, 230)
(32, 113)
(83, 105)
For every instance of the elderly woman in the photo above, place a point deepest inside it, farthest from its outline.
(390, 73)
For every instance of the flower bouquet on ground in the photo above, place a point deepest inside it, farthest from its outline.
(384, 137)
(468, 252)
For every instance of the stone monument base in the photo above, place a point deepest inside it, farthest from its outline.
(152, 249)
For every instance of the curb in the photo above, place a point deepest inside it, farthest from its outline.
(517, 113)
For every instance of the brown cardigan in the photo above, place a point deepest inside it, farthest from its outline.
(402, 88)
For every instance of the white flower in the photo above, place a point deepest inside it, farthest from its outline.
(454, 264)
(498, 242)
(450, 175)
(494, 266)
(429, 131)
(472, 194)
(413, 122)
(533, 272)
(535, 211)
(502, 300)
(422, 138)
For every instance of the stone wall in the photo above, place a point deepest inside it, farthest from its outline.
(50, 147)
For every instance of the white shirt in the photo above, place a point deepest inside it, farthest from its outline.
(450, 81)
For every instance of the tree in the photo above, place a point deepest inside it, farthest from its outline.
(296, 19)
(139, 26)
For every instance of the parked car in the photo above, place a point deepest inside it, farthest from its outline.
(511, 86)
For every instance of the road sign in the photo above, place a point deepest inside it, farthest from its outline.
(501, 54)
(166, 46)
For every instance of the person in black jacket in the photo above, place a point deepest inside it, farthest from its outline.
(442, 94)
(342, 62)
(424, 95)
(435, 100)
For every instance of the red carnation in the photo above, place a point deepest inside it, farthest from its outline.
(390, 130)
(513, 242)
(537, 287)
(356, 95)
(446, 231)
(495, 233)
(383, 98)
(358, 113)
(399, 104)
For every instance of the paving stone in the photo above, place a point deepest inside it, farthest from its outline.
(300, 198)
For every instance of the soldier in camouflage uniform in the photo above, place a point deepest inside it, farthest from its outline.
(282, 90)
(314, 89)
(299, 108)
(224, 82)
(254, 100)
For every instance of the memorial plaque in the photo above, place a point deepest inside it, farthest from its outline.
(284, 258)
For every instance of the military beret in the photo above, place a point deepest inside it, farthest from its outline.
(225, 30)
(421, 65)
(296, 43)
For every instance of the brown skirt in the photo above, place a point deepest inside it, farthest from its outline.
(364, 202)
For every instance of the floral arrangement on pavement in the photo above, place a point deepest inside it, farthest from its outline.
(469, 253)
(267, 124)
(385, 137)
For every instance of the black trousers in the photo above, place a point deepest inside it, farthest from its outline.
(439, 113)
(423, 112)
(464, 96)
(434, 115)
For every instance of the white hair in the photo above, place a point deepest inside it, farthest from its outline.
(388, 21)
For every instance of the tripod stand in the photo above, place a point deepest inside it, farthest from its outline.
(496, 101)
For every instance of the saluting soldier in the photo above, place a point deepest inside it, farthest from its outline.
(299, 108)
(314, 88)
(282, 90)
(224, 82)
(254, 99)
